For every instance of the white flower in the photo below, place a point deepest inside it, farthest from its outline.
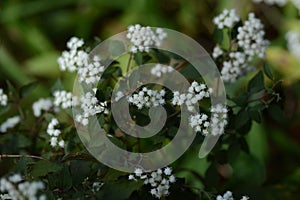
(91, 73)
(15, 188)
(159, 180)
(217, 52)
(9, 123)
(228, 196)
(218, 119)
(64, 99)
(244, 198)
(160, 69)
(297, 4)
(143, 38)
(54, 134)
(227, 19)
(272, 2)
(251, 38)
(200, 123)
(293, 43)
(3, 98)
(41, 104)
(90, 106)
(195, 93)
(147, 98)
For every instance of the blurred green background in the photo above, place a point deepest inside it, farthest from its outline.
(34, 32)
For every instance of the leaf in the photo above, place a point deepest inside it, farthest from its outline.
(212, 175)
(268, 72)
(256, 83)
(120, 190)
(42, 168)
(44, 65)
(82, 155)
(57, 86)
(61, 179)
(241, 119)
(255, 115)
(26, 90)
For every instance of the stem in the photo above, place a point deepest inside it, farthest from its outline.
(129, 62)
(22, 156)
(199, 189)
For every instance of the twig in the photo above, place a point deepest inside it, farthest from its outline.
(22, 156)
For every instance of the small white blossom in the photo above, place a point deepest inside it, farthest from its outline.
(217, 52)
(91, 73)
(54, 134)
(147, 98)
(251, 38)
(97, 186)
(3, 98)
(15, 188)
(218, 119)
(272, 2)
(73, 59)
(143, 38)
(119, 95)
(228, 196)
(200, 123)
(195, 93)
(41, 104)
(227, 19)
(90, 106)
(293, 43)
(159, 180)
(158, 70)
(9, 123)
(64, 99)
(297, 4)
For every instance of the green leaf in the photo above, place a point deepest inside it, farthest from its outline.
(122, 189)
(138, 58)
(255, 115)
(26, 90)
(256, 83)
(57, 86)
(242, 118)
(268, 72)
(42, 168)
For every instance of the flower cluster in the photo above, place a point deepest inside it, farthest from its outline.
(147, 98)
(77, 60)
(16, 188)
(293, 43)
(90, 106)
(91, 72)
(3, 98)
(226, 19)
(272, 2)
(228, 196)
(41, 104)
(143, 38)
(250, 43)
(251, 38)
(159, 180)
(218, 119)
(217, 52)
(9, 123)
(54, 133)
(64, 99)
(199, 123)
(159, 69)
(196, 92)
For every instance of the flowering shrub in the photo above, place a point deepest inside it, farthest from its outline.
(44, 158)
